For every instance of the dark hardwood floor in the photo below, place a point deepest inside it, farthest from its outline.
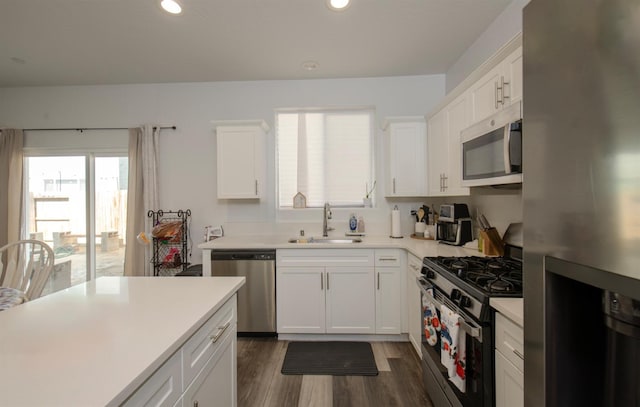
(260, 383)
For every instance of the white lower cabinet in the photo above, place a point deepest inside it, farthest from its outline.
(300, 299)
(325, 291)
(509, 363)
(214, 386)
(349, 300)
(389, 266)
(414, 304)
(202, 372)
(509, 383)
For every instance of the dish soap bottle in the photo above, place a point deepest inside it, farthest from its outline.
(353, 223)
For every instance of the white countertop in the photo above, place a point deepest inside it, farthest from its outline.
(93, 344)
(512, 308)
(418, 247)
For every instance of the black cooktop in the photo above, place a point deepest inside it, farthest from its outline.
(494, 276)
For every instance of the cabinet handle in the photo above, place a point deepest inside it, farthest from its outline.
(214, 338)
(518, 354)
(387, 258)
(394, 185)
(502, 83)
(497, 97)
(378, 280)
(327, 281)
(444, 182)
(321, 282)
(256, 187)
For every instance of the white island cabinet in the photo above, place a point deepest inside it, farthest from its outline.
(123, 341)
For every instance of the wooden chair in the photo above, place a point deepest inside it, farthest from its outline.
(26, 265)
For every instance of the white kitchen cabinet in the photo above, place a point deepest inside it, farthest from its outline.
(406, 143)
(349, 300)
(444, 148)
(414, 304)
(389, 265)
(509, 360)
(203, 369)
(325, 291)
(498, 88)
(301, 299)
(214, 386)
(241, 158)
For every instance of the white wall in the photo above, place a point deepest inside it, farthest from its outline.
(506, 26)
(187, 155)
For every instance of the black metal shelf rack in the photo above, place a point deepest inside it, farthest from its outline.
(170, 253)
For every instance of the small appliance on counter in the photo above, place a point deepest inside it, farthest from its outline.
(212, 232)
(454, 225)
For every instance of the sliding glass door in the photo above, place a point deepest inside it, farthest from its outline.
(77, 204)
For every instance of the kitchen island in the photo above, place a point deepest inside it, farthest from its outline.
(98, 343)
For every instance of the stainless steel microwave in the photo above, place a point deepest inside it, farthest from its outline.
(492, 149)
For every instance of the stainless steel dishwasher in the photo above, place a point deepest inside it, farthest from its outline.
(257, 298)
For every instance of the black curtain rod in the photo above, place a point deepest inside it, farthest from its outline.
(81, 129)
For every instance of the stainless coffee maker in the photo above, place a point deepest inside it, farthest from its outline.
(454, 225)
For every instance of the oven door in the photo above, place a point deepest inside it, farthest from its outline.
(478, 376)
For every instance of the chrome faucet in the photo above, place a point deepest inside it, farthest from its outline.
(325, 218)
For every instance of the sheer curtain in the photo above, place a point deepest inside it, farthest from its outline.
(11, 142)
(142, 196)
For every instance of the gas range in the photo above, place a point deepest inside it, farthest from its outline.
(470, 281)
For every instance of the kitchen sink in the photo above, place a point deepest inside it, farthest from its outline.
(324, 240)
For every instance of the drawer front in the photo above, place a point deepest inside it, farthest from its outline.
(510, 341)
(163, 388)
(199, 348)
(324, 257)
(388, 257)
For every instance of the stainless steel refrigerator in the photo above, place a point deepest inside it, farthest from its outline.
(581, 188)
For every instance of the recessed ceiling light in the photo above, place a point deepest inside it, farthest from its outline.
(171, 6)
(338, 5)
(310, 65)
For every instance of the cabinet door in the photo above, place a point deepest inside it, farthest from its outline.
(512, 68)
(350, 300)
(437, 152)
(414, 303)
(509, 383)
(216, 385)
(388, 300)
(300, 301)
(240, 158)
(484, 95)
(458, 118)
(407, 158)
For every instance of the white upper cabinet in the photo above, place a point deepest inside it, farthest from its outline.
(405, 139)
(241, 154)
(498, 88)
(444, 148)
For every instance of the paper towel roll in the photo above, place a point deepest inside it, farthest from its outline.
(395, 222)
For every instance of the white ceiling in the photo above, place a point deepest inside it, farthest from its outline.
(82, 42)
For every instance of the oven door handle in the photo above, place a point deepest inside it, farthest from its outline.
(470, 329)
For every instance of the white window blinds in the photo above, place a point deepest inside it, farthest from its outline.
(325, 154)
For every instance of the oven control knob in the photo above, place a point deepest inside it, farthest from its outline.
(455, 294)
(465, 302)
(428, 273)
